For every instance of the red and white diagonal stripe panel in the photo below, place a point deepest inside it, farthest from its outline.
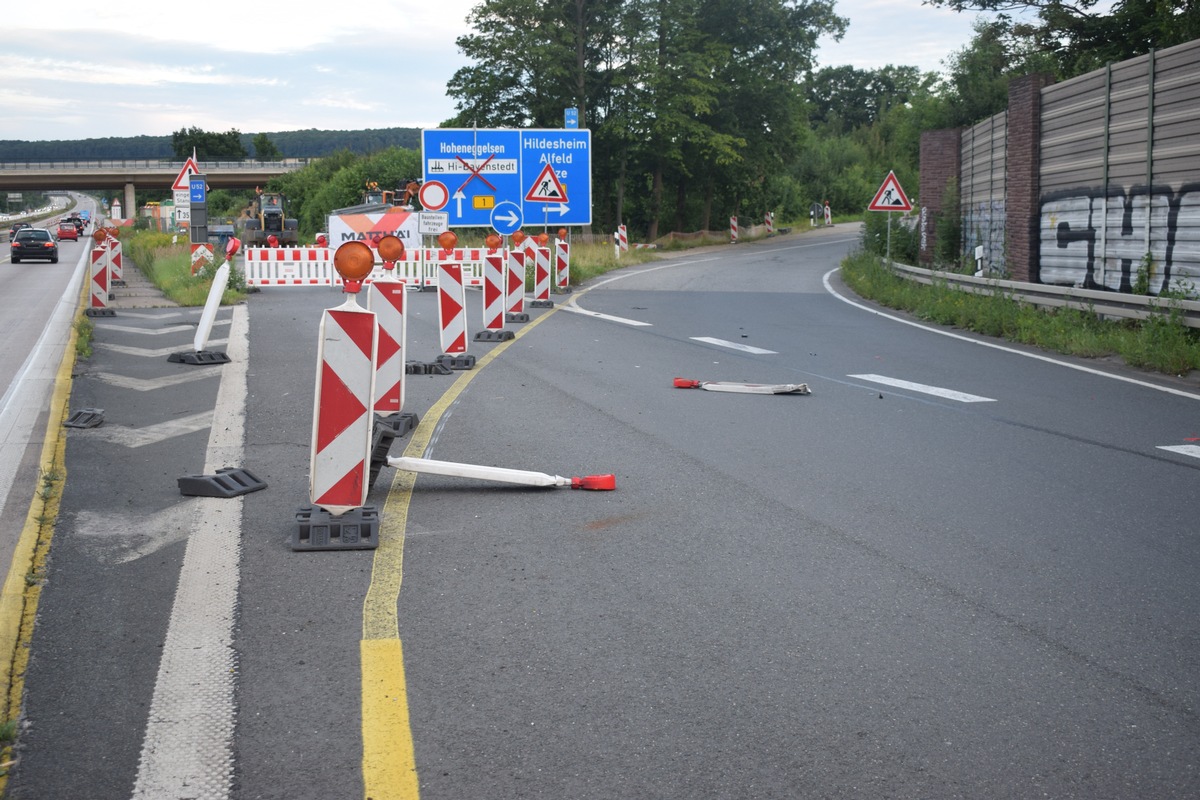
(452, 317)
(342, 417)
(114, 260)
(514, 289)
(99, 284)
(386, 299)
(562, 264)
(493, 291)
(541, 273)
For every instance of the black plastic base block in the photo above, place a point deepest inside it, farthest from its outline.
(384, 432)
(562, 290)
(227, 482)
(85, 418)
(516, 316)
(425, 368)
(199, 357)
(99, 312)
(118, 282)
(457, 361)
(494, 336)
(317, 529)
(541, 304)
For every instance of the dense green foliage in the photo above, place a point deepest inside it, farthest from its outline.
(310, 143)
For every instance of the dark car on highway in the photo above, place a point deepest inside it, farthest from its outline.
(34, 243)
(12, 232)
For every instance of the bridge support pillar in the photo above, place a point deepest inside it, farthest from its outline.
(130, 201)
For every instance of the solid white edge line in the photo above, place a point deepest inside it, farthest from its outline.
(188, 749)
(1145, 384)
(745, 348)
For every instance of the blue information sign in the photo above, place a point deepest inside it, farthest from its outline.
(197, 189)
(546, 173)
(507, 218)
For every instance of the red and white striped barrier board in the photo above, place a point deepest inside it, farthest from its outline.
(562, 265)
(342, 417)
(99, 284)
(622, 239)
(770, 222)
(514, 291)
(469, 258)
(202, 256)
(452, 317)
(114, 259)
(289, 266)
(493, 290)
(541, 273)
(386, 299)
(733, 229)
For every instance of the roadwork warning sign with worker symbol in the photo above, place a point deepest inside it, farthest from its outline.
(890, 196)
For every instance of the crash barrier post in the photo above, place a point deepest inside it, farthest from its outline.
(339, 468)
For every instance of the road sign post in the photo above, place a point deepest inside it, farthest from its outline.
(889, 198)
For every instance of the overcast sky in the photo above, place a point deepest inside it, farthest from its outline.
(151, 68)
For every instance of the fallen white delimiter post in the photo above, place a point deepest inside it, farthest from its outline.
(501, 474)
(743, 388)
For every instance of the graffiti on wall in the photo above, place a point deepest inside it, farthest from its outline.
(1092, 241)
(983, 225)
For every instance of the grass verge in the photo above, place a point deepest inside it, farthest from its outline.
(1162, 343)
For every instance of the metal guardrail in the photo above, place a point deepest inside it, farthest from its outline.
(150, 164)
(1106, 304)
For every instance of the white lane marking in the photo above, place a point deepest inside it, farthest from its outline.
(1144, 384)
(152, 352)
(1183, 449)
(745, 348)
(156, 331)
(188, 749)
(150, 384)
(949, 394)
(577, 310)
(151, 434)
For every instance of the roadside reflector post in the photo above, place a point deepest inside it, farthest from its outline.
(198, 355)
(518, 477)
(733, 230)
(339, 469)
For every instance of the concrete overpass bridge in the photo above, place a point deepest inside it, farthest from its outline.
(127, 175)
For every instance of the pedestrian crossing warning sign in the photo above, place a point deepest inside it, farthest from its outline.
(890, 196)
(547, 188)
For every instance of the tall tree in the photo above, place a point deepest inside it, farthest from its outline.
(207, 145)
(265, 149)
(1082, 35)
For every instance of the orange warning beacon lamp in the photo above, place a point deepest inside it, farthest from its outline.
(354, 261)
(391, 250)
(447, 240)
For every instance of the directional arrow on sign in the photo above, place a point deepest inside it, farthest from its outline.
(510, 218)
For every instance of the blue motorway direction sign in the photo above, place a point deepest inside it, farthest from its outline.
(197, 186)
(546, 173)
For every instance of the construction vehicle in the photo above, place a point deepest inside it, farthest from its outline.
(268, 227)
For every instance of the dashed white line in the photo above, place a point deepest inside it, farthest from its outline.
(1192, 450)
(623, 320)
(937, 391)
(745, 348)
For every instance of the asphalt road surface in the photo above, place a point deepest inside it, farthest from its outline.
(959, 568)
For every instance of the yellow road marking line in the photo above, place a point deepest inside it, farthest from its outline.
(389, 764)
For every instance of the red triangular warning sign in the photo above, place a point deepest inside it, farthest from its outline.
(546, 189)
(181, 180)
(890, 196)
